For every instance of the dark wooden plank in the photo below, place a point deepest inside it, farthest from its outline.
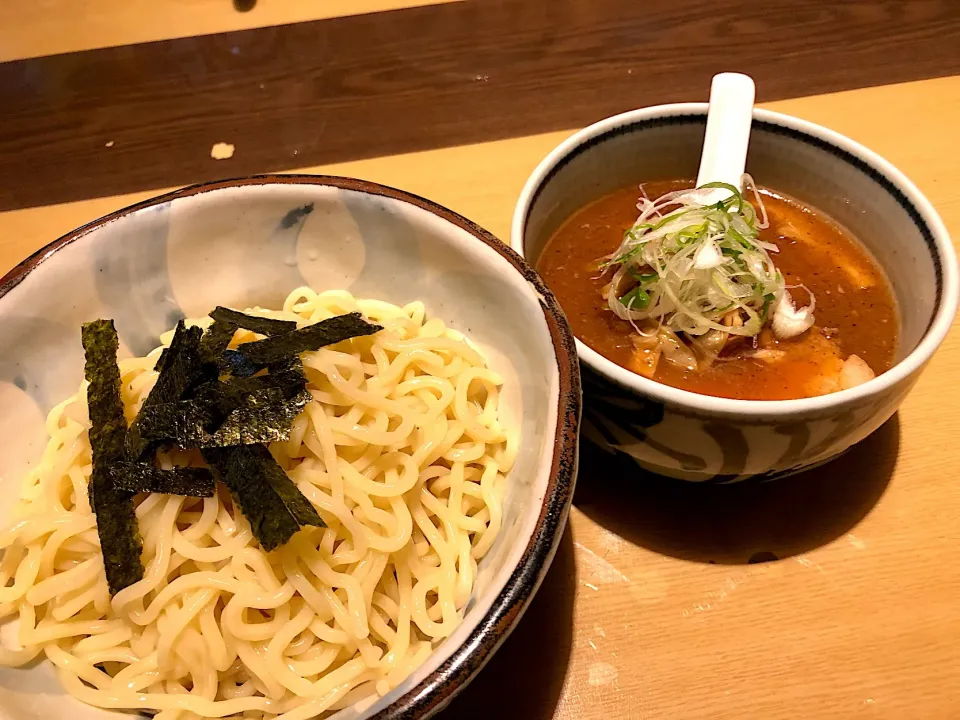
(370, 85)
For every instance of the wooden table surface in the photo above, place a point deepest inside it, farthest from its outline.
(833, 594)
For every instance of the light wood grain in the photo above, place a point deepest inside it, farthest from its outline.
(860, 620)
(32, 28)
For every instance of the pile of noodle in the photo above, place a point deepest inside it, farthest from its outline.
(401, 452)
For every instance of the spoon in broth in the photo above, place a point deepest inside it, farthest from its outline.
(692, 275)
(724, 156)
(724, 160)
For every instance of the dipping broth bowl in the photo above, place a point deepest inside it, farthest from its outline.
(702, 438)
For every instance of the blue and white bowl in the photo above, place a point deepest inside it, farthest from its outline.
(250, 242)
(697, 437)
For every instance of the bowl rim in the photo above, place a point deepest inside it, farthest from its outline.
(439, 687)
(708, 405)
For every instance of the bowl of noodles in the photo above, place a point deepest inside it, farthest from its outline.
(277, 447)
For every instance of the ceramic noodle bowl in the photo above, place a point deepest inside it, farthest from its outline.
(698, 437)
(249, 242)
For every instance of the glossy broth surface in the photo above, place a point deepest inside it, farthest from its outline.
(855, 310)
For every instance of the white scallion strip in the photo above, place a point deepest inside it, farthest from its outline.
(688, 266)
(789, 322)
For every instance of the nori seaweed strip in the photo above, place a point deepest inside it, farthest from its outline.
(268, 498)
(288, 383)
(137, 446)
(225, 324)
(120, 542)
(182, 368)
(216, 403)
(140, 477)
(213, 344)
(313, 337)
(206, 420)
(260, 325)
(288, 377)
(262, 416)
(246, 410)
(237, 364)
(108, 425)
(170, 422)
(164, 358)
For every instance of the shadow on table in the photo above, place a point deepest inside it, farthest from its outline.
(525, 678)
(739, 523)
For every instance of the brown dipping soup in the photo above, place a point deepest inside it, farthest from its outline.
(855, 310)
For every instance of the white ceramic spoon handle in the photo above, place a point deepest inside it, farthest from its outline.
(728, 133)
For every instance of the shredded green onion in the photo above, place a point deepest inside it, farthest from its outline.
(688, 266)
(635, 299)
